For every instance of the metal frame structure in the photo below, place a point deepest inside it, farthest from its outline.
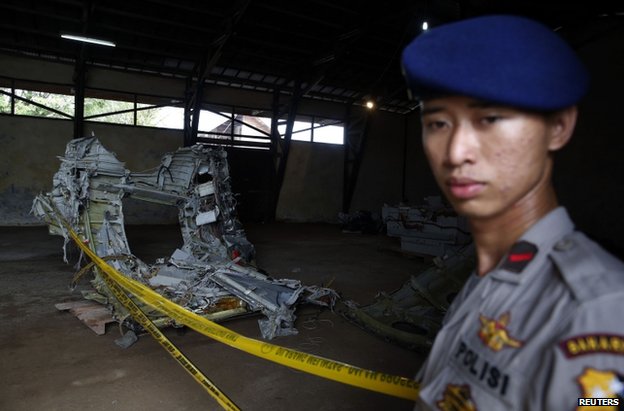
(265, 45)
(322, 50)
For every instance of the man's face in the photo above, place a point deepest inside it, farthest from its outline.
(486, 158)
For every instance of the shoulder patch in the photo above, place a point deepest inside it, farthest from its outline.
(593, 344)
(600, 384)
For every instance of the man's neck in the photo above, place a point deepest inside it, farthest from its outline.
(494, 236)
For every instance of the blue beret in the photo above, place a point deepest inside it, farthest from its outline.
(499, 58)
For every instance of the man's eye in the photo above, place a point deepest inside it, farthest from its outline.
(435, 125)
(490, 119)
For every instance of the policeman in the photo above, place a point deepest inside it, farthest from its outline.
(540, 323)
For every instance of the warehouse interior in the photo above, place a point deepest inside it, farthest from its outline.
(279, 75)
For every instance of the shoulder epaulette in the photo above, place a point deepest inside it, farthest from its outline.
(586, 268)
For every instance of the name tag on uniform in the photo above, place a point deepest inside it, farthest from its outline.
(486, 373)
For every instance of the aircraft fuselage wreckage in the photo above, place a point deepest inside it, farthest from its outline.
(210, 274)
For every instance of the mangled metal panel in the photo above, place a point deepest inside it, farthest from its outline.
(427, 229)
(412, 315)
(210, 274)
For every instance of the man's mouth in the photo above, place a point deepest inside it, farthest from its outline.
(464, 188)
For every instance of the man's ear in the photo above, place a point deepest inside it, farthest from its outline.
(562, 125)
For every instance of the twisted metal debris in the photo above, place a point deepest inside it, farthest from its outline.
(210, 274)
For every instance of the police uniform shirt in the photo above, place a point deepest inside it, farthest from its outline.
(540, 331)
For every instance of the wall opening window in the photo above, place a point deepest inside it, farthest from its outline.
(241, 130)
(43, 104)
(233, 125)
(254, 126)
(217, 122)
(302, 130)
(329, 132)
(5, 100)
(109, 111)
(317, 131)
(160, 116)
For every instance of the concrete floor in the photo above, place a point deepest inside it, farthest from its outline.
(49, 360)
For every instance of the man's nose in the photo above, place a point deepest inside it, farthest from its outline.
(462, 146)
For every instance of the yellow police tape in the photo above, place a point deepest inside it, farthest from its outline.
(148, 325)
(338, 371)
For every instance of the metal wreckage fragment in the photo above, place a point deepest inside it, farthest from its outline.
(412, 315)
(211, 273)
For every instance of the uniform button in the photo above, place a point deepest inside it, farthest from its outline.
(564, 244)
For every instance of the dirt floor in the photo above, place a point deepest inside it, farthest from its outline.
(49, 360)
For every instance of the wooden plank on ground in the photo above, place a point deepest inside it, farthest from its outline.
(94, 315)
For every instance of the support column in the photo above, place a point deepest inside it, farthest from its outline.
(194, 98)
(356, 132)
(281, 147)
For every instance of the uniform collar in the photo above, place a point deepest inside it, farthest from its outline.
(533, 245)
(549, 229)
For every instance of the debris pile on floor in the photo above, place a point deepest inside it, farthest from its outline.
(211, 274)
(429, 229)
(412, 315)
